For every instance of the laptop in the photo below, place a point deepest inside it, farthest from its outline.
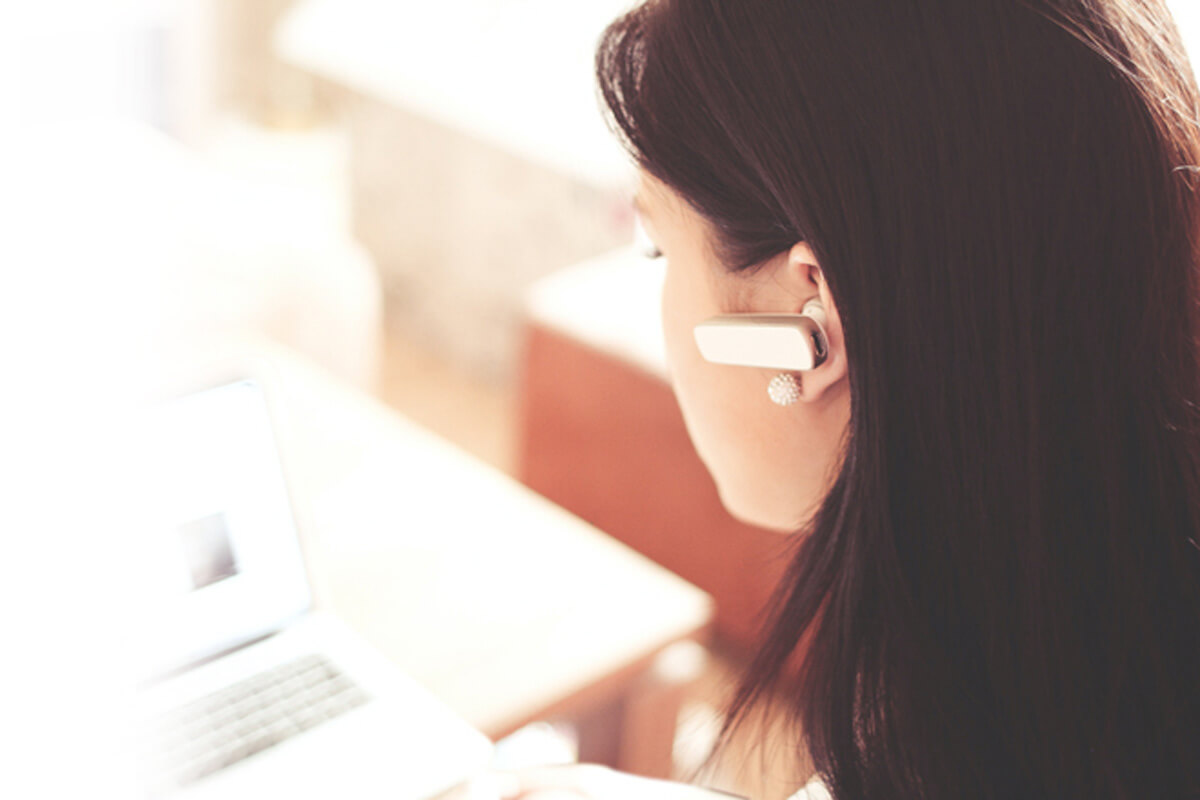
(246, 690)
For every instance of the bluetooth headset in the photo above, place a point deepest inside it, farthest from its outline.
(793, 342)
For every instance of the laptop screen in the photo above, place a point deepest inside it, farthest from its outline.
(222, 561)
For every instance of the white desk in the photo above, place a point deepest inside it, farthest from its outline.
(504, 605)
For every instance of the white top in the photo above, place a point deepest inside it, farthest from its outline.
(815, 789)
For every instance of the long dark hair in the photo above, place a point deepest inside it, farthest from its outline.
(1000, 595)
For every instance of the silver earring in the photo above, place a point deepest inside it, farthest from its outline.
(784, 389)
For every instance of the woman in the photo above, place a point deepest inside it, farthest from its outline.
(992, 467)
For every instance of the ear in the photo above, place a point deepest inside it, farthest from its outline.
(793, 281)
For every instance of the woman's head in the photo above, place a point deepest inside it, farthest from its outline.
(997, 469)
(772, 465)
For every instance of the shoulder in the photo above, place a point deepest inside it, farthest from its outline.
(815, 789)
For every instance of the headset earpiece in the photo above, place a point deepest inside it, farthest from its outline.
(795, 342)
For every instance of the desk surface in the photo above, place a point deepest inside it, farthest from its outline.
(503, 604)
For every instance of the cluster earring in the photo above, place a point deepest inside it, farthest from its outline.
(784, 389)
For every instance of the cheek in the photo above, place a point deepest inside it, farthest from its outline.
(729, 419)
(674, 326)
(679, 315)
(699, 387)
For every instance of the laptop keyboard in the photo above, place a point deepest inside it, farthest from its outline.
(220, 729)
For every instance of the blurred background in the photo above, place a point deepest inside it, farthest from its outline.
(372, 183)
(419, 197)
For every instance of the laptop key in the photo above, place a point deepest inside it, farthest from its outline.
(253, 715)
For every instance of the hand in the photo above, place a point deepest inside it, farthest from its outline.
(575, 782)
